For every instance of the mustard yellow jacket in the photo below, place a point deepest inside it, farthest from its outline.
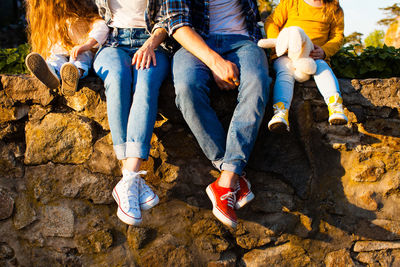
(323, 29)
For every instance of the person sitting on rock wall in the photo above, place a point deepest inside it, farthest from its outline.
(133, 66)
(218, 39)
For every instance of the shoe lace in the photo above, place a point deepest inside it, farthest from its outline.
(237, 187)
(336, 106)
(144, 188)
(280, 111)
(231, 197)
(279, 108)
(131, 183)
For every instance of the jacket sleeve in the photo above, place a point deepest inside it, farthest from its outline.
(336, 36)
(99, 31)
(275, 22)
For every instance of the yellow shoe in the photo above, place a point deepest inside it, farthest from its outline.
(336, 112)
(280, 121)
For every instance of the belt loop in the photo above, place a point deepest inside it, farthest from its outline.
(115, 32)
(114, 37)
(131, 35)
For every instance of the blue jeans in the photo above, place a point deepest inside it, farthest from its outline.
(192, 79)
(83, 61)
(325, 79)
(132, 95)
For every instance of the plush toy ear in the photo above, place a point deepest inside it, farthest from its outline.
(296, 40)
(267, 43)
(282, 42)
(308, 47)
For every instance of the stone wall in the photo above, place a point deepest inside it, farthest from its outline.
(325, 195)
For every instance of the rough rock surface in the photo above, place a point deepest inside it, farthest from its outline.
(325, 195)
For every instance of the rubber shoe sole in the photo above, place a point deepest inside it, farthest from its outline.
(69, 79)
(149, 203)
(39, 68)
(243, 201)
(217, 213)
(123, 216)
(338, 119)
(278, 127)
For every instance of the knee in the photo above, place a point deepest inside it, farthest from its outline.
(258, 81)
(255, 89)
(184, 91)
(321, 65)
(117, 82)
(323, 70)
(283, 66)
(186, 85)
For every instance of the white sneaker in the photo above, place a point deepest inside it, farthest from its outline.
(336, 112)
(126, 194)
(280, 121)
(147, 198)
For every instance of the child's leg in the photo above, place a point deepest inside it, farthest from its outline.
(43, 71)
(282, 95)
(83, 62)
(72, 71)
(55, 63)
(326, 80)
(284, 82)
(328, 86)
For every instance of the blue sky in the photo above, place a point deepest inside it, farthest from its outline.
(362, 15)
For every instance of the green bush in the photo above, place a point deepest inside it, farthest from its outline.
(372, 62)
(12, 60)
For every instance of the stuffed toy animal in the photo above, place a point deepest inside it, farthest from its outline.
(298, 46)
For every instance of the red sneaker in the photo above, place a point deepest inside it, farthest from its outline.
(223, 200)
(243, 192)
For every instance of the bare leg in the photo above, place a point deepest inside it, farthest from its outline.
(132, 164)
(228, 179)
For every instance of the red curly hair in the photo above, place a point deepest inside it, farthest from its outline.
(49, 21)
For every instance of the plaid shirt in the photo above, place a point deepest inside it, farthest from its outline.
(153, 13)
(195, 13)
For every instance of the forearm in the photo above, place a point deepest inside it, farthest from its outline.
(226, 73)
(90, 43)
(334, 43)
(195, 44)
(156, 38)
(75, 51)
(331, 48)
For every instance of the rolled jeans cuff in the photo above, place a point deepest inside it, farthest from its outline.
(120, 151)
(137, 150)
(238, 169)
(218, 164)
(132, 150)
